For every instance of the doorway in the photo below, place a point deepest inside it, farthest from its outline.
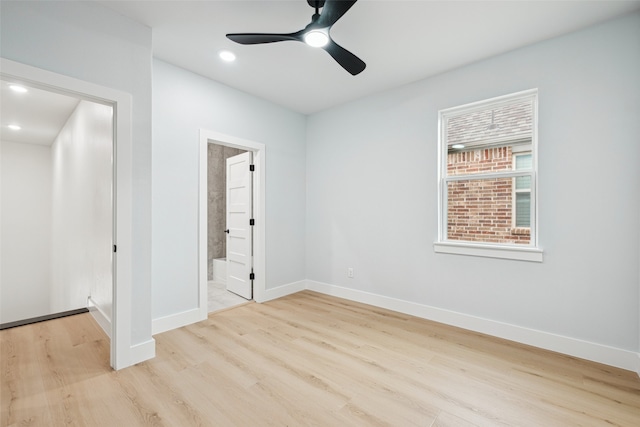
(222, 280)
(118, 325)
(213, 235)
(57, 206)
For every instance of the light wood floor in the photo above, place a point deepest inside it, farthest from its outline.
(306, 359)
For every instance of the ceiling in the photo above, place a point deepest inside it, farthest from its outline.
(41, 114)
(400, 41)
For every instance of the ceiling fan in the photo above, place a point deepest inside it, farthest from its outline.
(315, 34)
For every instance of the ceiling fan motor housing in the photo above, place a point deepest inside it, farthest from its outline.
(316, 4)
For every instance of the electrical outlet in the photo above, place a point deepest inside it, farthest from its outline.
(350, 273)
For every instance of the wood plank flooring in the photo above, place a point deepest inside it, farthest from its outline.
(306, 359)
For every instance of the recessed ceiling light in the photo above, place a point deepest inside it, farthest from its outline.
(457, 146)
(17, 88)
(316, 38)
(227, 56)
(14, 127)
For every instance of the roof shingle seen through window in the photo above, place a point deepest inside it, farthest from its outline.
(513, 121)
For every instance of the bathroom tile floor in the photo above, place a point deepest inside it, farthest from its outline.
(220, 298)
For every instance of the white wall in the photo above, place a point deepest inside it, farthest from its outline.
(180, 110)
(25, 230)
(92, 43)
(82, 216)
(372, 191)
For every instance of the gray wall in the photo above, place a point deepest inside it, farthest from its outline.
(372, 191)
(217, 156)
(92, 43)
(179, 112)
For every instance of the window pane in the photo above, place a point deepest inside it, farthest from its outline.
(504, 122)
(523, 209)
(523, 182)
(523, 161)
(481, 210)
(483, 141)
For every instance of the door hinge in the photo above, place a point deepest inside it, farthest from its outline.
(252, 168)
(252, 276)
(252, 221)
(115, 248)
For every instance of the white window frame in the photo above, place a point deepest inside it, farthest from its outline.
(530, 252)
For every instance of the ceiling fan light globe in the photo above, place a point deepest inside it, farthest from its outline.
(316, 38)
(227, 56)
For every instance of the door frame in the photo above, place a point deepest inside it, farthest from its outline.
(122, 354)
(259, 153)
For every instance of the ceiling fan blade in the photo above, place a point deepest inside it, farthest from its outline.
(346, 59)
(333, 10)
(258, 38)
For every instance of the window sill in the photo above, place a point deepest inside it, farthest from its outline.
(489, 251)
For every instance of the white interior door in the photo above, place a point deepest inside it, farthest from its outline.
(239, 230)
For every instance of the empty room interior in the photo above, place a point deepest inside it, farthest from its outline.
(330, 213)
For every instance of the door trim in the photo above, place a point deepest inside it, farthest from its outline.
(122, 353)
(259, 153)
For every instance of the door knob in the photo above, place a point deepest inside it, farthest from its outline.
(226, 231)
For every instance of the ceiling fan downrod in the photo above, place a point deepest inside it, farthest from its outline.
(317, 5)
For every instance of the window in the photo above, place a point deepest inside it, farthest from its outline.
(521, 215)
(487, 178)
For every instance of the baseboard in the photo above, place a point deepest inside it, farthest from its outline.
(24, 322)
(178, 320)
(611, 356)
(99, 316)
(284, 290)
(142, 351)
